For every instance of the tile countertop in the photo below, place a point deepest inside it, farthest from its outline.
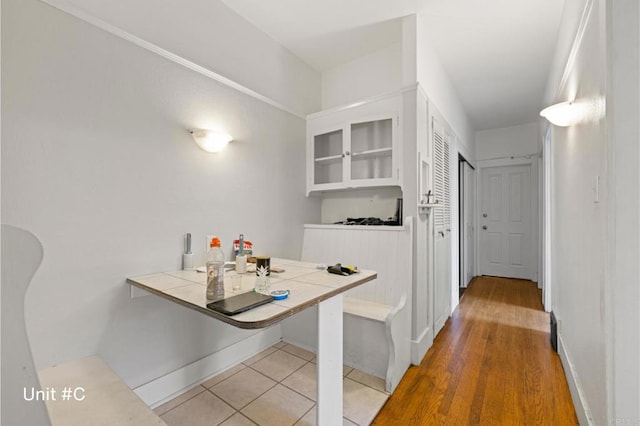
(308, 286)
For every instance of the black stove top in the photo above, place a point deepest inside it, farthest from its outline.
(371, 221)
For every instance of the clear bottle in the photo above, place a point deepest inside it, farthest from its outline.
(215, 271)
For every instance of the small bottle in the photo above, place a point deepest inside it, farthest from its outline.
(241, 258)
(215, 271)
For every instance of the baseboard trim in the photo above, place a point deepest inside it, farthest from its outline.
(579, 401)
(440, 322)
(165, 388)
(421, 345)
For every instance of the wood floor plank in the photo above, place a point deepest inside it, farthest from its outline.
(492, 364)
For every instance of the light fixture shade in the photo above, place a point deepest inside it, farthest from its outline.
(210, 140)
(563, 114)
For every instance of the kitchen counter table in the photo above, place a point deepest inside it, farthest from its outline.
(307, 285)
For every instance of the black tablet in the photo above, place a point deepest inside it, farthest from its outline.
(242, 302)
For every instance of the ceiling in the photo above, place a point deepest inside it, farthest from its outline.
(327, 33)
(497, 53)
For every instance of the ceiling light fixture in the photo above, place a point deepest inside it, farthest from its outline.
(210, 140)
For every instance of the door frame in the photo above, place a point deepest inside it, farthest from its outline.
(545, 246)
(461, 213)
(530, 160)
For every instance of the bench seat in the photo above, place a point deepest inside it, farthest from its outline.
(377, 321)
(107, 400)
(365, 309)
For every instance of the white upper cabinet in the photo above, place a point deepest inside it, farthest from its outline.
(354, 147)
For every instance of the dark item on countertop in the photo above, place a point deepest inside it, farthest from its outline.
(342, 270)
(242, 302)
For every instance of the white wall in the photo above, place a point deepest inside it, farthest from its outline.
(572, 15)
(98, 164)
(442, 96)
(514, 141)
(433, 78)
(623, 99)
(373, 74)
(217, 38)
(578, 229)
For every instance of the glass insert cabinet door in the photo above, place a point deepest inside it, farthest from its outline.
(328, 155)
(372, 149)
(356, 154)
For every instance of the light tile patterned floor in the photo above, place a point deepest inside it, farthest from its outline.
(276, 387)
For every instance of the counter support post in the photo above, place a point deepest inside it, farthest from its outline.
(329, 410)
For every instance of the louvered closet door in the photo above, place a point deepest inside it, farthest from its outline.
(442, 225)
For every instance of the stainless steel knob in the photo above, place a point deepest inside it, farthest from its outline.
(484, 215)
(484, 227)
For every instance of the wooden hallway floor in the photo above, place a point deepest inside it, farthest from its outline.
(492, 364)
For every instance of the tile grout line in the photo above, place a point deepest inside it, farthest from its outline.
(277, 382)
(250, 402)
(204, 389)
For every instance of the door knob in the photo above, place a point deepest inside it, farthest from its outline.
(484, 215)
(484, 227)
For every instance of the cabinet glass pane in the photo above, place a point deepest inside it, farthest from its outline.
(371, 149)
(327, 157)
(327, 144)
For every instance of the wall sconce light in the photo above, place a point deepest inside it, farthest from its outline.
(210, 140)
(585, 110)
(563, 114)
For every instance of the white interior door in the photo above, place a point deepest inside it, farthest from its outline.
(441, 225)
(505, 222)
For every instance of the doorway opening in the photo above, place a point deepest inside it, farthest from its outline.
(466, 202)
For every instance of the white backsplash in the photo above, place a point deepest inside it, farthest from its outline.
(374, 202)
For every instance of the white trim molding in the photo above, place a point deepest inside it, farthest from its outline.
(164, 388)
(577, 394)
(72, 10)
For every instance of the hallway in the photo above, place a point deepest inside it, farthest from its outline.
(491, 364)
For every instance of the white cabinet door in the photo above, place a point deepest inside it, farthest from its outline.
(371, 151)
(326, 165)
(354, 148)
(505, 222)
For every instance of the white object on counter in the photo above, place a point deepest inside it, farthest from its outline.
(241, 263)
(187, 262)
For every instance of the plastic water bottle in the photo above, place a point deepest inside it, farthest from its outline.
(215, 271)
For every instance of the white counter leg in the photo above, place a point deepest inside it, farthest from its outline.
(329, 410)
